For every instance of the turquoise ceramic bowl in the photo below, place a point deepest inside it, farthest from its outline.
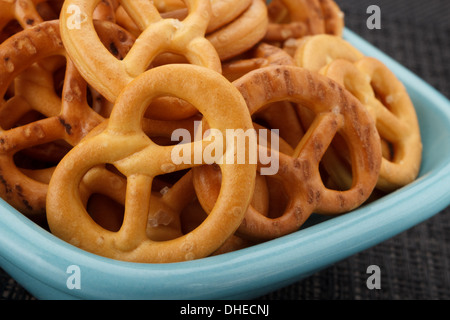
(39, 261)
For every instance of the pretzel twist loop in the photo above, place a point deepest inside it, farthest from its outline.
(124, 145)
(68, 118)
(335, 111)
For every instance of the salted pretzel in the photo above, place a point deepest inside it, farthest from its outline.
(109, 75)
(390, 105)
(193, 215)
(282, 115)
(315, 52)
(207, 181)
(67, 119)
(125, 146)
(337, 111)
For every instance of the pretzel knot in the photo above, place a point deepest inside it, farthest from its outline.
(125, 146)
(110, 75)
(336, 112)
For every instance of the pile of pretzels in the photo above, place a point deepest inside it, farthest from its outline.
(92, 92)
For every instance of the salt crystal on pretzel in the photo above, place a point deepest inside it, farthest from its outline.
(390, 105)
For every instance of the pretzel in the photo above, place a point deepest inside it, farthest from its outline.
(164, 218)
(23, 11)
(294, 19)
(333, 17)
(389, 104)
(68, 118)
(315, 52)
(124, 145)
(262, 55)
(234, 27)
(334, 57)
(242, 33)
(109, 75)
(337, 111)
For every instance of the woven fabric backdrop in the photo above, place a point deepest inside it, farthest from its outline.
(416, 263)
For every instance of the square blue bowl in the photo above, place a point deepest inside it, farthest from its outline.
(42, 263)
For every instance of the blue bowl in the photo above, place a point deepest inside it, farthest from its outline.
(42, 263)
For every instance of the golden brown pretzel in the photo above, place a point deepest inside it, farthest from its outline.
(336, 111)
(294, 19)
(124, 145)
(68, 118)
(24, 11)
(389, 104)
(234, 27)
(109, 75)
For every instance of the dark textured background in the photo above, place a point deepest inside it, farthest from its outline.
(416, 263)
